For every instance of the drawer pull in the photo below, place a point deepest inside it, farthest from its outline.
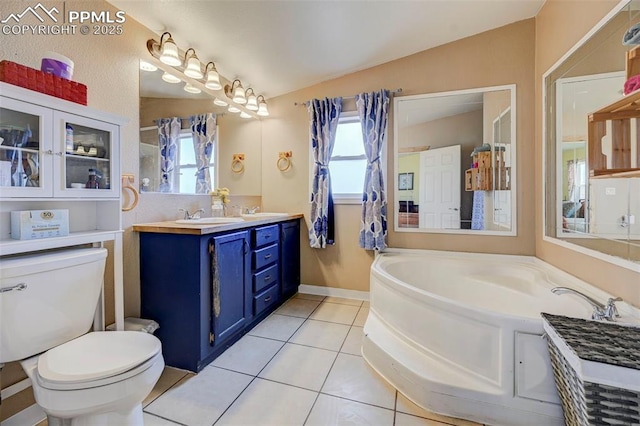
(267, 256)
(267, 278)
(267, 236)
(267, 299)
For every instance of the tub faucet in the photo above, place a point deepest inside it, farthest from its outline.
(191, 216)
(607, 312)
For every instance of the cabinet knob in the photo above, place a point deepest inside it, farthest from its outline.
(60, 153)
(49, 151)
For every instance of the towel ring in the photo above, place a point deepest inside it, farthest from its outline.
(283, 163)
(237, 166)
(126, 184)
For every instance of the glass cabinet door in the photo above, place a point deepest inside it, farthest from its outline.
(25, 149)
(89, 150)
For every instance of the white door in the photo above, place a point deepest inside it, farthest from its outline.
(440, 188)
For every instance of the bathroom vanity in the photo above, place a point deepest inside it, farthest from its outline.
(207, 285)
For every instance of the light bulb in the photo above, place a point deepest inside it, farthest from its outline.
(169, 53)
(213, 80)
(191, 89)
(262, 109)
(146, 66)
(193, 69)
(239, 96)
(170, 78)
(252, 102)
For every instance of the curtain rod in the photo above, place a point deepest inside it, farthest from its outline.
(306, 103)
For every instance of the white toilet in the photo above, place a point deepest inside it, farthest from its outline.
(47, 304)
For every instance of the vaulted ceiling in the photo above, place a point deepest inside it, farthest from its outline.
(281, 46)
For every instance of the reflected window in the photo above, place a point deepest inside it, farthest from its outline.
(348, 161)
(187, 164)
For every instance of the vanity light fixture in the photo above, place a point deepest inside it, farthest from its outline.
(170, 78)
(146, 66)
(262, 107)
(191, 89)
(169, 51)
(252, 100)
(244, 115)
(236, 93)
(193, 64)
(219, 102)
(213, 78)
(233, 109)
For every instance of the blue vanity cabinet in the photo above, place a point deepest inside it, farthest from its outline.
(265, 253)
(231, 280)
(206, 290)
(179, 275)
(289, 257)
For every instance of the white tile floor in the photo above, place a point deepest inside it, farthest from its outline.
(300, 366)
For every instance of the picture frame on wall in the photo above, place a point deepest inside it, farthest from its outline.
(405, 181)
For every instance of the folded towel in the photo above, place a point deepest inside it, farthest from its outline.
(632, 36)
(632, 84)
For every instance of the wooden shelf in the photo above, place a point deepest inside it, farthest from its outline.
(615, 173)
(482, 179)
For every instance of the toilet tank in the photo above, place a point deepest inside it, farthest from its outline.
(57, 303)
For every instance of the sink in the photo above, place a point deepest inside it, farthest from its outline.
(210, 221)
(262, 215)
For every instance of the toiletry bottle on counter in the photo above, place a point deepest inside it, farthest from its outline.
(69, 138)
(217, 209)
(93, 180)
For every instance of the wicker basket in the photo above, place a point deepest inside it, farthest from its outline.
(573, 343)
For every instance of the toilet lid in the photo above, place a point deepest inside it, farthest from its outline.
(97, 355)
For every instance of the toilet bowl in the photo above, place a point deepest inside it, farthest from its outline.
(78, 378)
(99, 378)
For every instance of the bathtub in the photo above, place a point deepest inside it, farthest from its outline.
(460, 334)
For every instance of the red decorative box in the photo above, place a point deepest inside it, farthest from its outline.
(40, 81)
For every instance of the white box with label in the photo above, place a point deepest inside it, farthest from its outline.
(35, 224)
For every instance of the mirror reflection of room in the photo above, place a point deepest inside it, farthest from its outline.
(593, 140)
(454, 161)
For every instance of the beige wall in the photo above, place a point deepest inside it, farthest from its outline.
(501, 56)
(560, 25)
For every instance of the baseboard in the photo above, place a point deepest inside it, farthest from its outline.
(333, 292)
(9, 391)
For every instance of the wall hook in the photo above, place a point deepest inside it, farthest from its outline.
(237, 164)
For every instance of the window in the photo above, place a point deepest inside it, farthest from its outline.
(186, 173)
(348, 161)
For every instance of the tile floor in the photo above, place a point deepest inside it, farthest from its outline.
(300, 366)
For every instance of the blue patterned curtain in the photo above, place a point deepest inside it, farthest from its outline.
(203, 130)
(323, 117)
(168, 134)
(373, 109)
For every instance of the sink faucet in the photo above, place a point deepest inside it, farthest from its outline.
(607, 312)
(253, 210)
(191, 216)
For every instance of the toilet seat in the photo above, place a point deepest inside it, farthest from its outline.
(97, 359)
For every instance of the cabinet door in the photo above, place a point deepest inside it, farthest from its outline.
(231, 284)
(26, 155)
(290, 257)
(88, 152)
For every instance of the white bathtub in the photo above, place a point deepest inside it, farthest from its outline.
(460, 333)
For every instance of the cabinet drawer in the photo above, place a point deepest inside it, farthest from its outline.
(265, 278)
(265, 235)
(265, 256)
(264, 300)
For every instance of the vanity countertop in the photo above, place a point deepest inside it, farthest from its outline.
(171, 227)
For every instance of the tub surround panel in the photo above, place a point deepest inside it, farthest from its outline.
(506, 378)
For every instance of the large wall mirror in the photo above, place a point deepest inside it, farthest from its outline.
(161, 100)
(455, 161)
(592, 155)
